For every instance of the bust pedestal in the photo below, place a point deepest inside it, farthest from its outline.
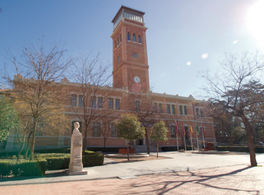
(76, 166)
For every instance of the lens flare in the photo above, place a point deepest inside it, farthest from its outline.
(255, 21)
(188, 63)
(235, 42)
(204, 56)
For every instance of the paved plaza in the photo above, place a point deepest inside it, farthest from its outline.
(183, 173)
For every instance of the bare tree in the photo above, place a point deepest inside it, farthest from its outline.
(36, 83)
(106, 130)
(94, 80)
(144, 108)
(235, 90)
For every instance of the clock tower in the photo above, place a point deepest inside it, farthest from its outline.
(130, 61)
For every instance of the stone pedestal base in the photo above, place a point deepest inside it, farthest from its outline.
(83, 172)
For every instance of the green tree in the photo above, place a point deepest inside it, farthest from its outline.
(128, 128)
(234, 89)
(8, 118)
(159, 133)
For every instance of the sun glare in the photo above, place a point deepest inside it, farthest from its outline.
(255, 21)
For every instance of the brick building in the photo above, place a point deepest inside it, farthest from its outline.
(130, 94)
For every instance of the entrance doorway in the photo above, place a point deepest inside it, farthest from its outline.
(139, 142)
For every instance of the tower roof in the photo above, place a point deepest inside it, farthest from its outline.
(128, 9)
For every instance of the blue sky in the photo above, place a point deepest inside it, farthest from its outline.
(179, 33)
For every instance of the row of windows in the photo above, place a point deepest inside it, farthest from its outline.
(95, 102)
(135, 38)
(96, 130)
(170, 108)
(133, 16)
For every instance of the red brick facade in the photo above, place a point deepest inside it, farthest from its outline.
(131, 85)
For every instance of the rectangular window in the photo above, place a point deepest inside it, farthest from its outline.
(172, 109)
(180, 109)
(80, 101)
(96, 129)
(173, 131)
(198, 111)
(110, 103)
(160, 108)
(93, 102)
(113, 130)
(74, 100)
(137, 105)
(185, 110)
(100, 102)
(201, 131)
(155, 107)
(117, 104)
(168, 109)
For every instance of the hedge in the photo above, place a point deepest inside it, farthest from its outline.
(92, 159)
(43, 162)
(61, 161)
(23, 167)
(102, 149)
(173, 148)
(258, 149)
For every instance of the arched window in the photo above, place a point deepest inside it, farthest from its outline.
(118, 41)
(115, 44)
(139, 38)
(134, 38)
(128, 36)
(120, 38)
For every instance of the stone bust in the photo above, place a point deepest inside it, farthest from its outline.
(76, 127)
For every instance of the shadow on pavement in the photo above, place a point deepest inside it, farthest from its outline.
(193, 178)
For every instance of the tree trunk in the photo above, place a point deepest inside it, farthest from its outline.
(22, 145)
(127, 150)
(32, 147)
(147, 140)
(104, 142)
(157, 150)
(26, 153)
(84, 140)
(250, 140)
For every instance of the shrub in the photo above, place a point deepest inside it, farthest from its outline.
(54, 150)
(92, 159)
(258, 149)
(61, 161)
(106, 149)
(174, 148)
(23, 167)
(5, 167)
(55, 160)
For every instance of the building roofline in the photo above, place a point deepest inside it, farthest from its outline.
(128, 8)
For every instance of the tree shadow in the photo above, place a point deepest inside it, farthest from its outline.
(191, 177)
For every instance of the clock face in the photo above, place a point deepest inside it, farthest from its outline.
(136, 79)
